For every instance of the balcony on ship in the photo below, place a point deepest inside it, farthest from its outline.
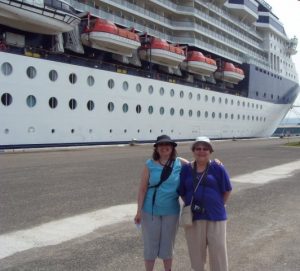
(245, 9)
(267, 21)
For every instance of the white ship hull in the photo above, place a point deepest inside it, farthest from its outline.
(24, 125)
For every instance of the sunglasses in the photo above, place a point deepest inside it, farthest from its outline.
(201, 149)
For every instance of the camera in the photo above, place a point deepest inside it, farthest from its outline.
(198, 209)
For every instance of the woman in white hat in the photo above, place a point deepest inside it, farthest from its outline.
(205, 185)
(158, 205)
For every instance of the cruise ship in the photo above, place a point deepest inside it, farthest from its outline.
(92, 72)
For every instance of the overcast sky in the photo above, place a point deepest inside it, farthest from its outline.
(288, 12)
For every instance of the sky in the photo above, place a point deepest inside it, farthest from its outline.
(288, 12)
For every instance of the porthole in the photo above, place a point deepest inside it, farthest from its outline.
(172, 111)
(161, 110)
(198, 97)
(238, 103)
(6, 68)
(52, 131)
(161, 91)
(110, 131)
(248, 104)
(31, 129)
(6, 99)
(90, 131)
(125, 131)
(73, 78)
(256, 106)
(213, 115)
(220, 100)
(226, 115)
(90, 105)
(244, 117)
(125, 85)
(220, 115)
(238, 116)
(72, 104)
(150, 109)
(206, 114)
(181, 112)
(252, 118)
(53, 75)
(232, 116)
(6, 131)
(150, 89)
(31, 101)
(110, 106)
(264, 119)
(181, 94)
(190, 113)
(90, 80)
(243, 104)
(138, 87)
(232, 102)
(138, 130)
(213, 99)
(261, 106)
(198, 113)
(138, 109)
(252, 105)
(125, 108)
(172, 92)
(190, 95)
(150, 131)
(72, 131)
(111, 83)
(31, 72)
(256, 118)
(206, 98)
(52, 102)
(248, 117)
(226, 101)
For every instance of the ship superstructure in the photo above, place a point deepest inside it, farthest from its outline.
(100, 72)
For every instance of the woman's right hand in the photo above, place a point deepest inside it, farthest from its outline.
(138, 218)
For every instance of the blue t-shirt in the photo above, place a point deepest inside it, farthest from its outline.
(166, 201)
(211, 198)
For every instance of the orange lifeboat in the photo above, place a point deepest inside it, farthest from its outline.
(105, 35)
(196, 62)
(161, 52)
(230, 73)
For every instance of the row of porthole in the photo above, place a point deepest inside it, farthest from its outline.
(53, 75)
(6, 100)
(31, 102)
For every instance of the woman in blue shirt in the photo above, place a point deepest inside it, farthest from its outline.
(207, 202)
(158, 205)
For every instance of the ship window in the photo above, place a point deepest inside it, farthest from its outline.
(138, 87)
(238, 116)
(138, 109)
(190, 113)
(260, 118)
(238, 103)
(226, 115)
(6, 99)
(52, 102)
(90, 131)
(248, 117)
(243, 117)
(213, 115)
(248, 104)
(53, 75)
(256, 106)
(72, 131)
(150, 109)
(172, 111)
(72, 104)
(161, 110)
(213, 99)
(256, 93)
(272, 96)
(161, 91)
(181, 94)
(90, 80)
(138, 130)
(111, 83)
(125, 131)
(125, 85)
(31, 72)
(264, 119)
(265, 95)
(172, 92)
(150, 131)
(232, 116)
(220, 100)
(181, 112)
(206, 114)
(150, 89)
(206, 98)
(90, 105)
(252, 117)
(198, 113)
(31, 129)
(110, 130)
(226, 101)
(261, 106)
(52, 131)
(125, 108)
(6, 68)
(256, 118)
(31, 101)
(220, 115)
(110, 106)
(72, 78)
(243, 104)
(6, 131)
(198, 97)
(190, 95)
(232, 102)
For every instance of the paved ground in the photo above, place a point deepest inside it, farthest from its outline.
(40, 187)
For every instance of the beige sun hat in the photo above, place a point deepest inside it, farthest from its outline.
(202, 139)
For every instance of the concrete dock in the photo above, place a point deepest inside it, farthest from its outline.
(54, 207)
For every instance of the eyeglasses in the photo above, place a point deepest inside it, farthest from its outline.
(201, 149)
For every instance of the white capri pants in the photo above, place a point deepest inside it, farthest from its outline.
(159, 235)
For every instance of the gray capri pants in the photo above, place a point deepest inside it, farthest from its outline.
(159, 235)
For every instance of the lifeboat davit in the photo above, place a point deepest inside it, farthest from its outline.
(197, 63)
(48, 17)
(161, 52)
(229, 73)
(105, 35)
